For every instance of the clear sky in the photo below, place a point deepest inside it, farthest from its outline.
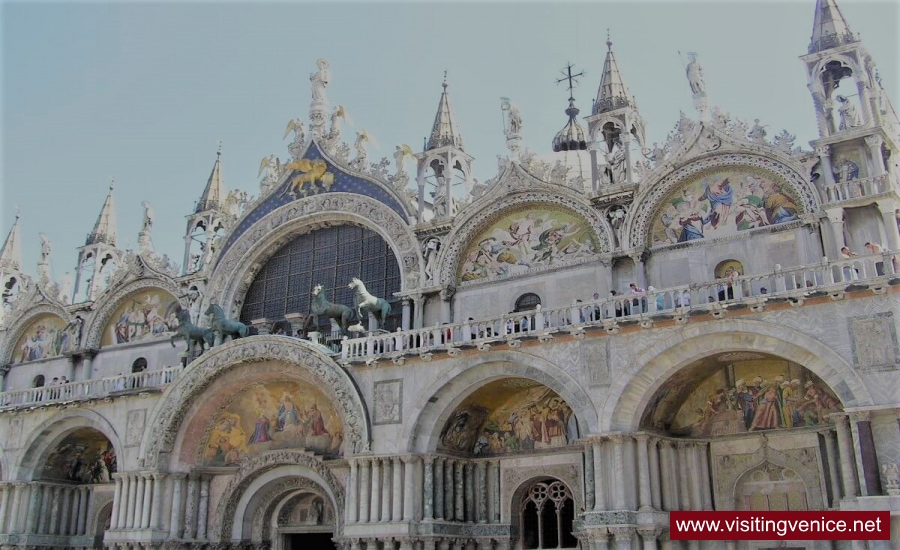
(144, 91)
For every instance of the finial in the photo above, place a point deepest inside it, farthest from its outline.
(112, 183)
(445, 79)
(571, 78)
(608, 40)
(18, 211)
(219, 152)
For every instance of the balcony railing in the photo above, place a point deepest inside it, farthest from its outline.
(795, 283)
(89, 389)
(855, 189)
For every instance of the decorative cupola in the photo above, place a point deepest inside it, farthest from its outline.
(617, 131)
(444, 169)
(207, 220)
(98, 258)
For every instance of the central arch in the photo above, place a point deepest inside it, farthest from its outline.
(168, 417)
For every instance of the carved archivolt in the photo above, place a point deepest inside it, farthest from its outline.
(649, 202)
(526, 193)
(23, 322)
(243, 260)
(110, 302)
(253, 467)
(170, 412)
(515, 479)
(262, 518)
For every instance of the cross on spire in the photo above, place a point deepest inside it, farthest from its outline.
(571, 78)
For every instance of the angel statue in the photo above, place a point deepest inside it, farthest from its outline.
(513, 118)
(337, 117)
(320, 80)
(849, 116)
(695, 75)
(271, 166)
(46, 249)
(148, 217)
(361, 146)
(400, 154)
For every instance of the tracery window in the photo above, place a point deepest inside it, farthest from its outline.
(548, 511)
(330, 256)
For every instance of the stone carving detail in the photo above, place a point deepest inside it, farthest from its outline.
(874, 341)
(649, 202)
(238, 266)
(476, 223)
(112, 301)
(262, 527)
(567, 473)
(890, 478)
(388, 407)
(190, 385)
(134, 427)
(251, 468)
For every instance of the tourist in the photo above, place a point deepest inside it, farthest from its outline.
(875, 248)
(660, 299)
(640, 305)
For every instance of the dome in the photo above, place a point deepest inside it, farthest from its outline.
(569, 167)
(572, 137)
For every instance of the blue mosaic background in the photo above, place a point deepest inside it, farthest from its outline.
(343, 183)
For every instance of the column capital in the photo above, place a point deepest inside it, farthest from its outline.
(650, 533)
(428, 459)
(665, 442)
(860, 416)
(835, 215)
(874, 140)
(616, 439)
(409, 459)
(823, 150)
(887, 206)
(641, 437)
(621, 533)
(827, 431)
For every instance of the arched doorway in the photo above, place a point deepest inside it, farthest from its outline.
(546, 514)
(304, 520)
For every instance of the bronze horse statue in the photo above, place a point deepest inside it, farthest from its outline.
(339, 312)
(191, 333)
(225, 326)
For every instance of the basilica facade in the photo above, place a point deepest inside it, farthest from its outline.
(365, 357)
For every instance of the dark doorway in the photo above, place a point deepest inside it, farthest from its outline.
(308, 541)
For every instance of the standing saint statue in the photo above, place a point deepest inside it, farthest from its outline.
(46, 249)
(849, 116)
(320, 80)
(695, 74)
(148, 217)
(513, 118)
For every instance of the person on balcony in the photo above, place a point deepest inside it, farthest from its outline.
(875, 248)
(850, 273)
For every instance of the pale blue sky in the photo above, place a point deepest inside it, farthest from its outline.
(143, 91)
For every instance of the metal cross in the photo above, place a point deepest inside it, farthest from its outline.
(572, 78)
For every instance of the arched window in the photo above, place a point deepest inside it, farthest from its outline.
(548, 511)
(139, 365)
(527, 302)
(38, 381)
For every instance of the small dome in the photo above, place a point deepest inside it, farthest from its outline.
(572, 137)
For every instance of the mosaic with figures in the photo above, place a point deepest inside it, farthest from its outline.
(509, 416)
(740, 392)
(83, 456)
(141, 316)
(527, 239)
(274, 415)
(721, 202)
(47, 336)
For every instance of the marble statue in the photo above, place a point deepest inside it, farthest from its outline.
(337, 118)
(430, 252)
(890, 478)
(400, 154)
(320, 80)
(442, 202)
(148, 217)
(615, 160)
(695, 74)
(196, 298)
(296, 146)
(849, 116)
(270, 170)
(361, 146)
(513, 118)
(46, 249)
(757, 134)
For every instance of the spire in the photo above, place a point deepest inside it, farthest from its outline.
(11, 253)
(830, 29)
(613, 92)
(105, 228)
(214, 193)
(445, 132)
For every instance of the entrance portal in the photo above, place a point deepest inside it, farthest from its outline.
(307, 541)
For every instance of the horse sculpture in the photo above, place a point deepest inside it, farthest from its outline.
(339, 312)
(225, 326)
(192, 333)
(379, 307)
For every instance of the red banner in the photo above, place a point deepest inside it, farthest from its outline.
(769, 525)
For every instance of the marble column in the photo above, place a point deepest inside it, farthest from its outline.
(397, 484)
(147, 501)
(623, 536)
(696, 470)
(655, 495)
(873, 143)
(34, 508)
(122, 504)
(645, 498)
(117, 499)
(418, 311)
(599, 485)
(449, 486)
(848, 462)
(618, 477)
(649, 536)
(190, 508)
(131, 484)
(16, 490)
(459, 492)
(706, 476)
(375, 497)
(836, 218)
(155, 507)
(139, 500)
(203, 508)
(4, 505)
(469, 473)
(352, 492)
(409, 477)
(84, 500)
(888, 209)
(481, 492)
(833, 475)
(684, 484)
(177, 506)
(364, 486)
(405, 319)
(53, 527)
(386, 490)
(44, 510)
(439, 488)
(428, 488)
(495, 491)
(65, 510)
(669, 502)
(866, 460)
(74, 524)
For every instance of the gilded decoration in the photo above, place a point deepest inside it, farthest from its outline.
(509, 416)
(526, 239)
(722, 201)
(46, 336)
(84, 456)
(145, 315)
(270, 416)
(743, 396)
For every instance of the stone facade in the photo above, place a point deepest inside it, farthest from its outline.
(759, 371)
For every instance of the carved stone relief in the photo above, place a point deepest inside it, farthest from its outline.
(874, 341)
(388, 405)
(134, 427)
